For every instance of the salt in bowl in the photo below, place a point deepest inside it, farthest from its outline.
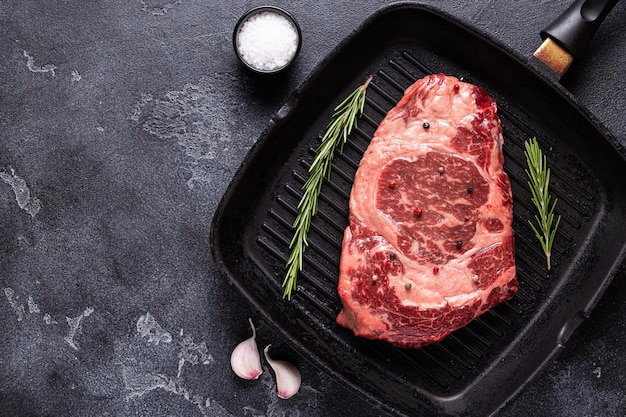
(267, 39)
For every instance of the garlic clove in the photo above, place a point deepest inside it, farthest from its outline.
(245, 359)
(288, 378)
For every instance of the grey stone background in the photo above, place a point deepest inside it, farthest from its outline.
(121, 125)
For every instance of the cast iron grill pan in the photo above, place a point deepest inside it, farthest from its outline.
(476, 369)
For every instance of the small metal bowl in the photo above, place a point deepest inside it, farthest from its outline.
(244, 57)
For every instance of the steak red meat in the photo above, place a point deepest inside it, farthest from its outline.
(429, 246)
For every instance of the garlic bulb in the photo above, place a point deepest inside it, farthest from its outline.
(245, 359)
(288, 377)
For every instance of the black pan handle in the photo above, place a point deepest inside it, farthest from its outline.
(574, 28)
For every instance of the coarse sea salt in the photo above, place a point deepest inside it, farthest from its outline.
(267, 41)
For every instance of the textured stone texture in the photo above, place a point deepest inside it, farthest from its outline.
(121, 125)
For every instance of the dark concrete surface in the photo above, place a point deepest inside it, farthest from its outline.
(121, 125)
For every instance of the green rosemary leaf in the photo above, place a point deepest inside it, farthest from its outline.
(538, 174)
(341, 124)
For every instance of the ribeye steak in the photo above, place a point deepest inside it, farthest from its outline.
(430, 244)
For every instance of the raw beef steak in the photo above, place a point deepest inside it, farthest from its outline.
(430, 242)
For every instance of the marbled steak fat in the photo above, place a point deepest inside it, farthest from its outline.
(430, 241)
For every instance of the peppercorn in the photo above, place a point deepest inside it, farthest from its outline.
(426, 125)
(435, 270)
(459, 243)
(470, 189)
(417, 212)
(392, 184)
(441, 170)
(407, 286)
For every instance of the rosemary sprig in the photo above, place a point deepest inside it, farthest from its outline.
(342, 122)
(539, 180)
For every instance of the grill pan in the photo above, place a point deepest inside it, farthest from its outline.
(479, 367)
